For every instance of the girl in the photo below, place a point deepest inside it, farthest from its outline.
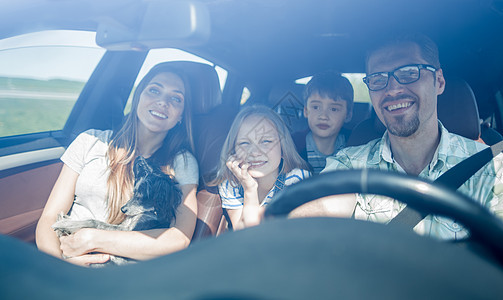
(258, 158)
(97, 177)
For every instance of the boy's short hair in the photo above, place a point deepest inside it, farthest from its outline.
(330, 84)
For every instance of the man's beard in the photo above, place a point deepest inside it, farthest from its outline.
(401, 127)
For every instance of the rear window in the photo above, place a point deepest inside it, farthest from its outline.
(356, 79)
(157, 56)
(41, 77)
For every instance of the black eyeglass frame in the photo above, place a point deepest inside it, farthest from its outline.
(392, 73)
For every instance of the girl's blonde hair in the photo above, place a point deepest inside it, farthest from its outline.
(123, 146)
(290, 158)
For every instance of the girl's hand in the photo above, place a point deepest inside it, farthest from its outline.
(250, 215)
(78, 243)
(240, 169)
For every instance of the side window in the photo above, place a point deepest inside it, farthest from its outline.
(245, 95)
(361, 90)
(156, 56)
(41, 77)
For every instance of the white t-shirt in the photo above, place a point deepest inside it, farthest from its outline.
(87, 155)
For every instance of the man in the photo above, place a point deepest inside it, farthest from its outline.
(404, 79)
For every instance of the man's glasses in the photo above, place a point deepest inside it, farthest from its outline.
(403, 75)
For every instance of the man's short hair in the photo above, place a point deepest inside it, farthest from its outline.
(427, 47)
(330, 84)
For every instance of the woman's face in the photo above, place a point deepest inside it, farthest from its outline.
(161, 103)
(258, 145)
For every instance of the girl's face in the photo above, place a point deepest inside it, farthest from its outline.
(258, 145)
(161, 103)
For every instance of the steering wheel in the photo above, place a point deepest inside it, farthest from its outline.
(420, 194)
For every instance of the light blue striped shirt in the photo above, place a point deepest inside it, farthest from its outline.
(486, 186)
(316, 159)
(233, 199)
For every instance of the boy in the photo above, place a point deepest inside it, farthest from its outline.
(328, 99)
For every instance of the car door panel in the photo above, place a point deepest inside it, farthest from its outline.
(24, 194)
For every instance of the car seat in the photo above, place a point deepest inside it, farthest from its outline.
(457, 110)
(361, 111)
(210, 125)
(489, 135)
(286, 99)
(210, 132)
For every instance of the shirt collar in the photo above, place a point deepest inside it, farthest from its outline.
(443, 148)
(339, 143)
(383, 151)
(440, 156)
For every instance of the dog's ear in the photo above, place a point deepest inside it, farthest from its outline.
(141, 168)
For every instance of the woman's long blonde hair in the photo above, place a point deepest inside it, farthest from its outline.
(290, 158)
(123, 146)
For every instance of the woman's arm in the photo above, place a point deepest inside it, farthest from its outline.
(60, 201)
(140, 245)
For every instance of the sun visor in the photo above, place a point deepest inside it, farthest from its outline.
(161, 24)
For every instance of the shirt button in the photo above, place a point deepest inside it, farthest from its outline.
(455, 225)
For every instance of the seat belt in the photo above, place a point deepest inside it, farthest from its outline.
(454, 178)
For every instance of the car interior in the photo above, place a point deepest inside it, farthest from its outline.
(236, 54)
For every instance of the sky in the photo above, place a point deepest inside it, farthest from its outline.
(70, 55)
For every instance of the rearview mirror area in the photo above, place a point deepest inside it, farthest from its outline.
(158, 24)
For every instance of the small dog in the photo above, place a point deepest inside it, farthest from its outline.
(155, 200)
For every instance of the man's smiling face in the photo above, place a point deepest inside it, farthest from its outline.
(404, 108)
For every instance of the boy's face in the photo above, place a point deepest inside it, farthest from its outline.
(325, 116)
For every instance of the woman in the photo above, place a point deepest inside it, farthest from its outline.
(97, 177)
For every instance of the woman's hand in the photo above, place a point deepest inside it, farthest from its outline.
(88, 259)
(77, 244)
(76, 248)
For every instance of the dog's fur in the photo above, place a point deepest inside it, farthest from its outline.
(154, 203)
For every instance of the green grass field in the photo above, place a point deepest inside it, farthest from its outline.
(20, 116)
(34, 85)
(30, 105)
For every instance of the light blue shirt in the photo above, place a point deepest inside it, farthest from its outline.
(316, 159)
(486, 186)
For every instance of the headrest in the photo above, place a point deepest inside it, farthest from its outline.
(284, 91)
(457, 109)
(204, 85)
(286, 100)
